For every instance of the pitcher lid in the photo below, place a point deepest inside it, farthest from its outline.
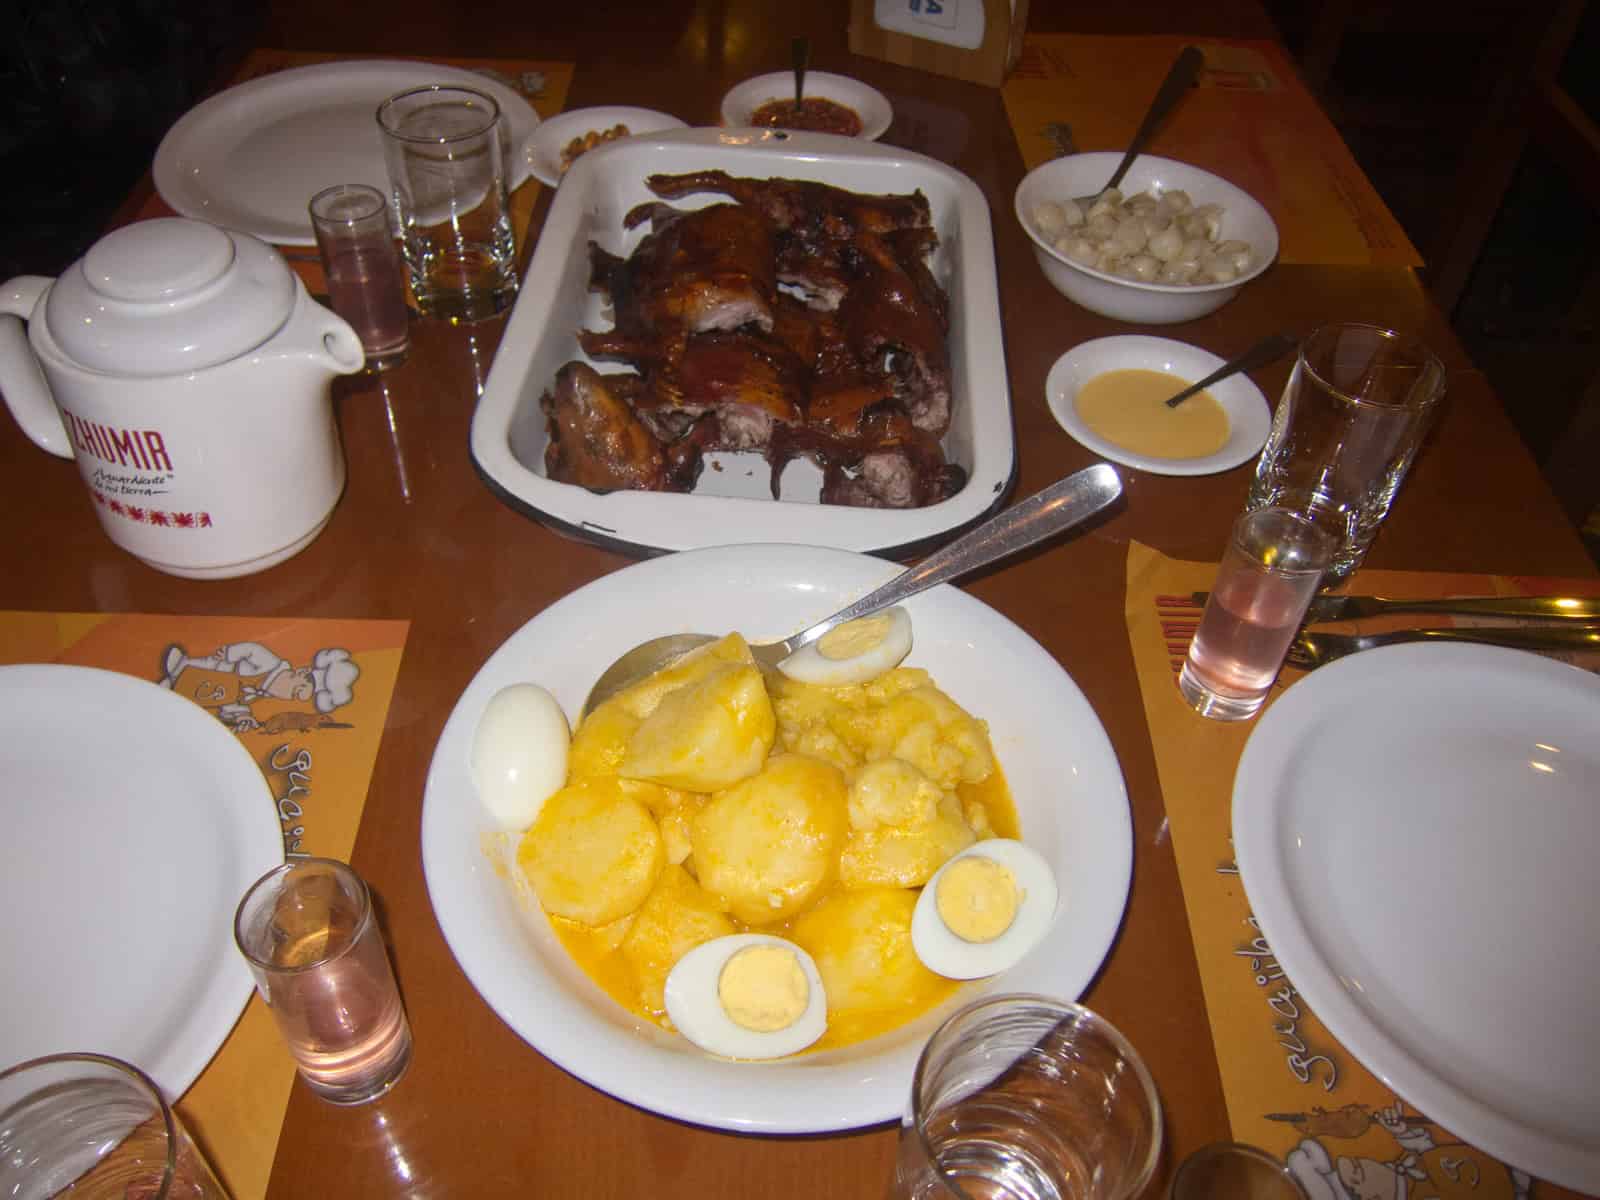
(169, 295)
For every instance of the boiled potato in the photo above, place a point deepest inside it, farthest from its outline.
(675, 918)
(601, 741)
(644, 697)
(905, 856)
(898, 715)
(706, 735)
(892, 792)
(767, 846)
(861, 941)
(594, 852)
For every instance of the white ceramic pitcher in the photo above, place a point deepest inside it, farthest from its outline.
(187, 370)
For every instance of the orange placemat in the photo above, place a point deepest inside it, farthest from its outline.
(1289, 1086)
(1250, 120)
(308, 699)
(545, 85)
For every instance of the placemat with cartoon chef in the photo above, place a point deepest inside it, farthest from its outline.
(1290, 1087)
(1249, 119)
(308, 699)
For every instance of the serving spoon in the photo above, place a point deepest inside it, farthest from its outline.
(800, 57)
(1185, 68)
(1268, 349)
(1060, 506)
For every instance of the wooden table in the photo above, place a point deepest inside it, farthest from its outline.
(419, 537)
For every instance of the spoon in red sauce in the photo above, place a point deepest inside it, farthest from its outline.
(800, 55)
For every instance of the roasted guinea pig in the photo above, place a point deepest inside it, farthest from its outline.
(800, 320)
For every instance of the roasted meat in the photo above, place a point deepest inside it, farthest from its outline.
(597, 442)
(712, 268)
(802, 206)
(800, 321)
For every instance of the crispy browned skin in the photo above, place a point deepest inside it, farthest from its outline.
(713, 268)
(597, 442)
(849, 368)
(801, 206)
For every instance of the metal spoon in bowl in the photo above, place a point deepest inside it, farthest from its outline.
(1060, 506)
(1268, 349)
(800, 56)
(1184, 70)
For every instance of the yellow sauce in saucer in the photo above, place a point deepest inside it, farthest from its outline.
(1129, 408)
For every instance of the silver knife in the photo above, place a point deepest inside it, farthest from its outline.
(1353, 608)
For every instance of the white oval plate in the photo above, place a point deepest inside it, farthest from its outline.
(869, 103)
(1062, 771)
(1416, 827)
(552, 136)
(135, 822)
(1249, 418)
(251, 158)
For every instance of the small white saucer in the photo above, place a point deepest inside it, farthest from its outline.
(1249, 418)
(552, 137)
(870, 104)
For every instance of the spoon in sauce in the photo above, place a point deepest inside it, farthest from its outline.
(1063, 504)
(800, 56)
(1268, 349)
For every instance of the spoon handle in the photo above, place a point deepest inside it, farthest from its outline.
(1183, 73)
(1268, 349)
(800, 57)
(1060, 506)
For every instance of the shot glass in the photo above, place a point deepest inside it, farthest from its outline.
(97, 1128)
(362, 263)
(1019, 1095)
(308, 932)
(1354, 413)
(1274, 562)
(1233, 1171)
(445, 149)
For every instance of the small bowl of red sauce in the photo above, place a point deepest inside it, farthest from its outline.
(830, 104)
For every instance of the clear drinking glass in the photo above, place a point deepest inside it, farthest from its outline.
(1274, 562)
(362, 263)
(97, 1128)
(308, 931)
(1234, 1171)
(446, 150)
(1020, 1097)
(1351, 419)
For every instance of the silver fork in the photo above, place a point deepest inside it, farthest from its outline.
(1310, 650)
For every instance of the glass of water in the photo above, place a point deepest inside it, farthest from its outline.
(446, 149)
(1022, 1097)
(1352, 417)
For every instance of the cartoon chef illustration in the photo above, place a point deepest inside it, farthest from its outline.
(1424, 1169)
(246, 683)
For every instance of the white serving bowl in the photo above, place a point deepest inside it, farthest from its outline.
(869, 103)
(1060, 766)
(1243, 219)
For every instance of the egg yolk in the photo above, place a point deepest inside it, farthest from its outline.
(977, 898)
(763, 988)
(854, 637)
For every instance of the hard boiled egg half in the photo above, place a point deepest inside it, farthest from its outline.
(747, 995)
(984, 909)
(856, 652)
(519, 754)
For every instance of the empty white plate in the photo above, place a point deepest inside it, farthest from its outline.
(135, 821)
(1249, 418)
(1416, 827)
(251, 157)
